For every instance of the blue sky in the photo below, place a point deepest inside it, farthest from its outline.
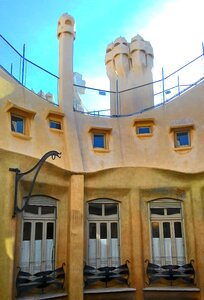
(97, 24)
(174, 28)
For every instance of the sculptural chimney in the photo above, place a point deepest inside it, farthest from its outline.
(66, 36)
(129, 65)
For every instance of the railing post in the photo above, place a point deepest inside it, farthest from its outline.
(178, 85)
(163, 92)
(23, 64)
(117, 98)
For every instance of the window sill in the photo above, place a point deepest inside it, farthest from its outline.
(109, 290)
(101, 150)
(21, 136)
(43, 296)
(188, 148)
(56, 130)
(144, 135)
(172, 289)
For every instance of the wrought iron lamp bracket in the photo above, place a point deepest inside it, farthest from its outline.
(19, 175)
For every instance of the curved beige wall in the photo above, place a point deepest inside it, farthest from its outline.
(125, 147)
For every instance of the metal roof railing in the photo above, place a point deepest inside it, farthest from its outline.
(29, 74)
(95, 101)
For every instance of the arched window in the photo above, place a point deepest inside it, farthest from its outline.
(103, 233)
(167, 232)
(38, 235)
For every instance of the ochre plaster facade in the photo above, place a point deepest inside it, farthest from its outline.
(134, 171)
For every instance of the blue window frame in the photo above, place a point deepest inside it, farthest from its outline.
(55, 125)
(182, 139)
(99, 140)
(143, 130)
(17, 124)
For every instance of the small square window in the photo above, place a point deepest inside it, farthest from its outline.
(55, 121)
(182, 139)
(143, 129)
(17, 124)
(55, 125)
(20, 120)
(98, 140)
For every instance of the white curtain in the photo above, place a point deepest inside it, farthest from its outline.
(92, 252)
(167, 251)
(37, 256)
(25, 255)
(180, 251)
(104, 252)
(156, 250)
(49, 254)
(115, 252)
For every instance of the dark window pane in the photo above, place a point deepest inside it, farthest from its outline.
(50, 231)
(55, 124)
(26, 231)
(111, 209)
(173, 211)
(99, 141)
(177, 229)
(103, 231)
(166, 229)
(155, 229)
(143, 130)
(38, 231)
(47, 210)
(114, 230)
(95, 209)
(32, 209)
(157, 211)
(182, 139)
(17, 124)
(92, 230)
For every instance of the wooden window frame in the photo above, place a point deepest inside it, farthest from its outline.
(39, 217)
(165, 204)
(107, 219)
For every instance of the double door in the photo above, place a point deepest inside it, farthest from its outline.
(103, 243)
(37, 246)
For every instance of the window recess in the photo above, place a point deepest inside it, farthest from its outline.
(144, 127)
(100, 138)
(103, 238)
(182, 137)
(167, 232)
(55, 120)
(38, 235)
(20, 120)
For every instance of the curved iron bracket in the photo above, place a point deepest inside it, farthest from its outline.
(19, 175)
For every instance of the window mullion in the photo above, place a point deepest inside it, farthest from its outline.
(32, 245)
(173, 242)
(54, 244)
(162, 250)
(98, 249)
(43, 249)
(109, 248)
